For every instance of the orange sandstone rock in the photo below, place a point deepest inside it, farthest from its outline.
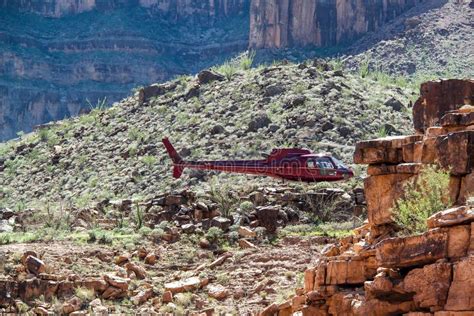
(430, 285)
(461, 293)
(381, 192)
(414, 250)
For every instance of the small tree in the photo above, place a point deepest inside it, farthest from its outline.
(424, 196)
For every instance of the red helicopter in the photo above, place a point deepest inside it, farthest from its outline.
(286, 163)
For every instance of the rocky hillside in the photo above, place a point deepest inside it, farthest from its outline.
(118, 152)
(433, 39)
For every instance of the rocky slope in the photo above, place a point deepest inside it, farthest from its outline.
(118, 152)
(432, 39)
(376, 272)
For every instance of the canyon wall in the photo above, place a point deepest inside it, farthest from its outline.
(172, 8)
(57, 55)
(287, 23)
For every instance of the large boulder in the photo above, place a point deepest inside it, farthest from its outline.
(268, 217)
(461, 294)
(466, 189)
(430, 285)
(455, 152)
(155, 90)
(345, 271)
(383, 150)
(381, 192)
(259, 121)
(401, 252)
(207, 76)
(452, 216)
(437, 98)
(457, 119)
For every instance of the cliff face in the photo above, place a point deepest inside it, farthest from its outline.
(176, 8)
(283, 23)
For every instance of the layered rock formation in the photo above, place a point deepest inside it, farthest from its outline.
(49, 68)
(284, 23)
(372, 273)
(179, 9)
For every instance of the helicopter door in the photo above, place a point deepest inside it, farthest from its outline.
(326, 167)
(296, 170)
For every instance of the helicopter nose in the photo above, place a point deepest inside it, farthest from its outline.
(349, 173)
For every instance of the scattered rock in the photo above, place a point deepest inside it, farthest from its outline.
(167, 297)
(394, 104)
(142, 297)
(35, 265)
(246, 232)
(245, 244)
(327, 126)
(118, 282)
(186, 285)
(274, 90)
(217, 291)
(259, 121)
(207, 76)
(72, 305)
(221, 222)
(139, 271)
(151, 259)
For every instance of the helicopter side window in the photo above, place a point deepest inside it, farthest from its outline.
(310, 163)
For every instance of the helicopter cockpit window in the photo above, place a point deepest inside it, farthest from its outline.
(324, 163)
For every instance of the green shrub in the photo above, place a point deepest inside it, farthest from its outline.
(149, 161)
(364, 69)
(214, 234)
(85, 294)
(156, 234)
(138, 217)
(223, 195)
(228, 69)
(246, 60)
(424, 196)
(246, 206)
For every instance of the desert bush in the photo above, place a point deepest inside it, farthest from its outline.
(424, 196)
(138, 216)
(214, 234)
(246, 60)
(223, 196)
(228, 69)
(364, 69)
(246, 207)
(85, 294)
(156, 234)
(149, 161)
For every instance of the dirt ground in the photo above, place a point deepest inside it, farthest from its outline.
(249, 278)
